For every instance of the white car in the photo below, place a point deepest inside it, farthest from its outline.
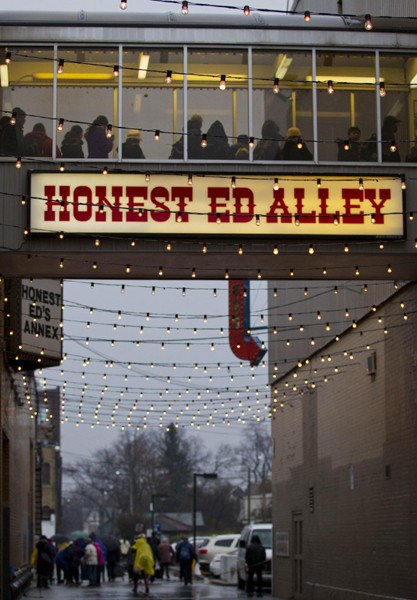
(215, 565)
(264, 532)
(220, 544)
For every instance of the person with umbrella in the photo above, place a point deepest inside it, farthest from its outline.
(144, 562)
(113, 553)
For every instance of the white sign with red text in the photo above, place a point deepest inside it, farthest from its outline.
(127, 204)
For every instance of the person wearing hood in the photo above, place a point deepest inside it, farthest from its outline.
(217, 143)
(99, 145)
(166, 556)
(12, 140)
(195, 151)
(240, 150)
(90, 561)
(255, 558)
(268, 147)
(38, 143)
(44, 561)
(389, 129)
(131, 147)
(291, 150)
(72, 143)
(144, 562)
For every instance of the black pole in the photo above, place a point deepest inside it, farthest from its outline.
(194, 510)
(153, 514)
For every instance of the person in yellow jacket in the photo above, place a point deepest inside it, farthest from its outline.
(144, 562)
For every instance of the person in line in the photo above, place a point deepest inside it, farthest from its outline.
(268, 147)
(144, 563)
(44, 561)
(389, 129)
(195, 151)
(12, 139)
(131, 147)
(73, 555)
(113, 557)
(91, 561)
(255, 558)
(99, 145)
(72, 143)
(240, 150)
(353, 153)
(37, 142)
(291, 151)
(61, 565)
(166, 556)
(185, 556)
(217, 143)
(100, 562)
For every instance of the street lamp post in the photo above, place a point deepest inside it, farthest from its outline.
(204, 476)
(152, 506)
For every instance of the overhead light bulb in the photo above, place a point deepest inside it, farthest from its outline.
(311, 249)
(18, 162)
(393, 146)
(222, 84)
(204, 140)
(307, 16)
(251, 142)
(336, 220)
(276, 184)
(105, 171)
(276, 85)
(403, 184)
(184, 9)
(109, 131)
(62, 167)
(382, 91)
(360, 183)
(60, 66)
(8, 58)
(318, 182)
(123, 4)
(13, 118)
(233, 182)
(297, 220)
(246, 10)
(168, 78)
(190, 179)
(300, 143)
(157, 134)
(346, 145)
(330, 88)
(368, 22)
(60, 126)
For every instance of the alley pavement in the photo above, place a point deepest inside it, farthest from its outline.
(163, 590)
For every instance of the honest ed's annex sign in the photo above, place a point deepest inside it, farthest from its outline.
(125, 203)
(40, 318)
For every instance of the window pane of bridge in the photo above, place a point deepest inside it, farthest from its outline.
(282, 113)
(399, 107)
(151, 103)
(220, 113)
(87, 100)
(26, 85)
(347, 127)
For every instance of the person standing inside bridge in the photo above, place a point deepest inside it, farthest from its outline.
(99, 145)
(255, 559)
(12, 140)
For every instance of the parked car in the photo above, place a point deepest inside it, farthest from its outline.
(215, 565)
(219, 544)
(264, 532)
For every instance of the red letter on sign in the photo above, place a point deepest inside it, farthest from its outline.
(182, 194)
(214, 193)
(323, 194)
(384, 195)
(238, 194)
(278, 204)
(49, 214)
(163, 214)
(133, 192)
(83, 191)
(348, 195)
(116, 213)
(299, 197)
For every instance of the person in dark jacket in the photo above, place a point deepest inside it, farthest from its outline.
(99, 145)
(72, 143)
(268, 147)
(291, 151)
(389, 129)
(12, 140)
(353, 153)
(185, 556)
(44, 561)
(131, 147)
(240, 150)
(255, 558)
(217, 143)
(195, 151)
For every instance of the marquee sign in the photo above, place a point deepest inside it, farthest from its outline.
(83, 203)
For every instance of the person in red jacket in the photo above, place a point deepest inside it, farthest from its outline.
(166, 556)
(37, 143)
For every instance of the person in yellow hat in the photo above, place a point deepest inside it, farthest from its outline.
(144, 562)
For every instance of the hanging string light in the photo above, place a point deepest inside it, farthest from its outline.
(276, 85)
(307, 16)
(246, 10)
(368, 22)
(382, 91)
(60, 69)
(222, 84)
(184, 9)
(330, 88)
(168, 78)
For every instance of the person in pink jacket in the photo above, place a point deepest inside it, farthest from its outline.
(166, 556)
(100, 562)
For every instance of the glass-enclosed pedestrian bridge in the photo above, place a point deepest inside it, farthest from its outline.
(178, 91)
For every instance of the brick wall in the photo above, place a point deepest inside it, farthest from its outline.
(349, 446)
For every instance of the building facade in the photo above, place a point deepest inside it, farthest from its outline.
(344, 432)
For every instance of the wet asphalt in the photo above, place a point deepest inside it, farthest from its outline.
(159, 590)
